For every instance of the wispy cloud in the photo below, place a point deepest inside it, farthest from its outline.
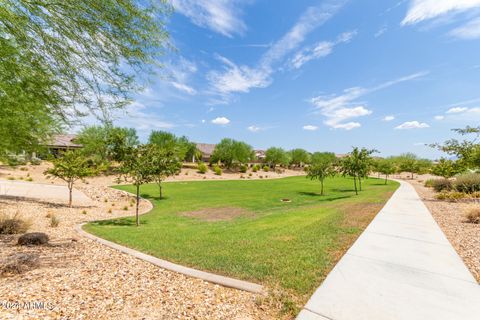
(380, 31)
(310, 127)
(221, 121)
(435, 10)
(420, 10)
(254, 128)
(180, 72)
(339, 109)
(439, 118)
(223, 16)
(319, 50)
(388, 118)
(235, 78)
(469, 31)
(457, 110)
(412, 125)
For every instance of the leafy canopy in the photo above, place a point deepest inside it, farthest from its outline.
(232, 153)
(276, 156)
(63, 59)
(299, 157)
(322, 166)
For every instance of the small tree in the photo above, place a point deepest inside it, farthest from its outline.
(232, 153)
(165, 163)
(299, 157)
(386, 167)
(138, 168)
(357, 165)
(276, 156)
(447, 168)
(70, 167)
(322, 166)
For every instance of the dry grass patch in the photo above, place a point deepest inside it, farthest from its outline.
(218, 214)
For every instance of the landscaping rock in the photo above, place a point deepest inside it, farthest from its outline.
(33, 238)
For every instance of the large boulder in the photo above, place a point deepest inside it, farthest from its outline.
(33, 239)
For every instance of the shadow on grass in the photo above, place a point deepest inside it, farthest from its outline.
(325, 197)
(122, 222)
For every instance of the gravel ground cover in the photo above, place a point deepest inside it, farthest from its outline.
(80, 279)
(450, 216)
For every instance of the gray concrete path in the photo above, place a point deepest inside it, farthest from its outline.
(401, 267)
(40, 191)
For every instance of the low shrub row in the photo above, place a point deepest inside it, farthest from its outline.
(468, 183)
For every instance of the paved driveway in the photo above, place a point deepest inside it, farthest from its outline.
(401, 267)
(41, 191)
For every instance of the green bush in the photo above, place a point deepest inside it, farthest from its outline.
(243, 168)
(266, 168)
(440, 185)
(35, 162)
(255, 168)
(54, 221)
(468, 183)
(202, 168)
(217, 170)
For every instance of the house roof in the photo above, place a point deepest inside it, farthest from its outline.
(206, 148)
(63, 141)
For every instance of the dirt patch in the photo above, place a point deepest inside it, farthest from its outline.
(218, 214)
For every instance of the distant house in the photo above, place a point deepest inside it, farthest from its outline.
(206, 149)
(259, 156)
(62, 142)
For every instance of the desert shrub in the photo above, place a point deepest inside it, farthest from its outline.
(429, 183)
(468, 183)
(202, 168)
(54, 221)
(125, 208)
(217, 170)
(29, 179)
(13, 224)
(109, 211)
(19, 263)
(250, 174)
(84, 212)
(476, 195)
(440, 185)
(33, 238)
(35, 162)
(243, 168)
(255, 168)
(266, 168)
(23, 169)
(11, 178)
(473, 216)
(451, 196)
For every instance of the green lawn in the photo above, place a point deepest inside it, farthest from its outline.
(291, 245)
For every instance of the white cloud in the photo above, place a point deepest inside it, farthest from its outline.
(340, 108)
(457, 110)
(203, 120)
(412, 125)
(438, 118)
(180, 72)
(240, 78)
(310, 127)
(223, 16)
(319, 50)
(237, 78)
(469, 31)
(420, 10)
(221, 121)
(380, 32)
(388, 118)
(254, 128)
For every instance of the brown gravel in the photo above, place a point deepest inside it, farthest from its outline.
(82, 279)
(450, 216)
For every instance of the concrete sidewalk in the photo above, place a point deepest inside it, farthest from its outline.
(401, 267)
(40, 191)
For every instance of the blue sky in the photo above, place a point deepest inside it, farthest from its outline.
(320, 75)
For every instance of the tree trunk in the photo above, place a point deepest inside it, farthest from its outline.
(160, 189)
(412, 176)
(70, 190)
(386, 177)
(136, 209)
(321, 192)
(360, 183)
(355, 184)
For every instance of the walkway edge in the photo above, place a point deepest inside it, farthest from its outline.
(206, 276)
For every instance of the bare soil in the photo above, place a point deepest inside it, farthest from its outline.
(218, 214)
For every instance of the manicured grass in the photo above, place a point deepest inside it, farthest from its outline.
(290, 245)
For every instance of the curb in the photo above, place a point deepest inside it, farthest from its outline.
(206, 276)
